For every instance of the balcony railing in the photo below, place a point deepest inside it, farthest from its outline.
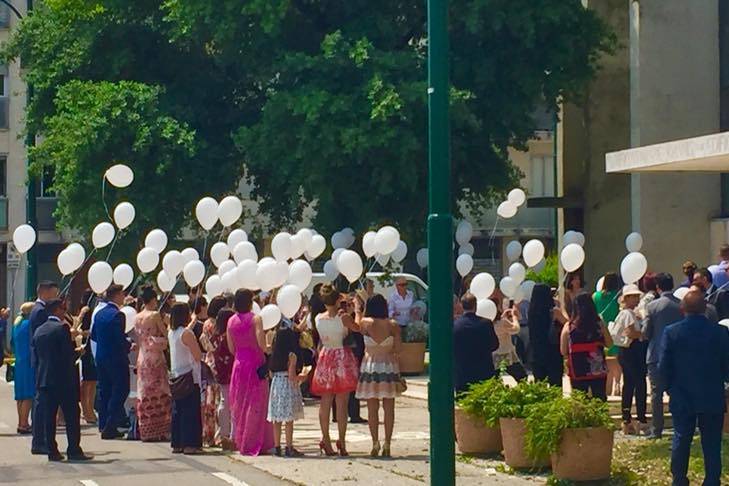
(44, 213)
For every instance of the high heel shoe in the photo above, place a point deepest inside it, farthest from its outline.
(292, 452)
(325, 448)
(342, 449)
(375, 449)
(386, 450)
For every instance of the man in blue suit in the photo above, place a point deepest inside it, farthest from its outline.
(474, 339)
(112, 362)
(46, 292)
(694, 364)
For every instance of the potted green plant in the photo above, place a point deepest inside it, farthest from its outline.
(412, 352)
(576, 432)
(477, 420)
(513, 409)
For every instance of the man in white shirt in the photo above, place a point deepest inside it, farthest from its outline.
(400, 302)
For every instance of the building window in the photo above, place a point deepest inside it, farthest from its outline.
(541, 176)
(4, 98)
(3, 192)
(44, 185)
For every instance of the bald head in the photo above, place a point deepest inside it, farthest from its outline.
(693, 302)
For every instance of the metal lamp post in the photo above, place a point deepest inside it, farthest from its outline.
(440, 252)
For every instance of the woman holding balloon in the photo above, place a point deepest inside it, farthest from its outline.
(545, 323)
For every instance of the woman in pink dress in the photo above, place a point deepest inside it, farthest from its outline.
(252, 433)
(337, 372)
(154, 403)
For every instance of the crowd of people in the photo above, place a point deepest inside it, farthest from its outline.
(614, 342)
(201, 373)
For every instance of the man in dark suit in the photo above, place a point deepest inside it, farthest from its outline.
(46, 291)
(474, 340)
(694, 364)
(716, 297)
(660, 313)
(112, 362)
(57, 381)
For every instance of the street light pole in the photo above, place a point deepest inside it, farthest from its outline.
(440, 252)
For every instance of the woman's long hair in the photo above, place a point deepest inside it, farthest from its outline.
(585, 316)
(540, 307)
(221, 320)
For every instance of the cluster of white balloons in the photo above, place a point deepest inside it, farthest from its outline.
(383, 245)
(572, 256)
(509, 208)
(464, 261)
(635, 264)
(514, 286)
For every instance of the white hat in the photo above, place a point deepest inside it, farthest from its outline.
(631, 289)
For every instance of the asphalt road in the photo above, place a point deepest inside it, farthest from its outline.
(116, 462)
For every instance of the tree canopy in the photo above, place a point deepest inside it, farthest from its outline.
(313, 101)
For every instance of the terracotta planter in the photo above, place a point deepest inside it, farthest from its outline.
(513, 434)
(584, 454)
(474, 437)
(412, 358)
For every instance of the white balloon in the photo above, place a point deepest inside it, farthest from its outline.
(518, 295)
(681, 292)
(300, 274)
(335, 256)
(540, 266)
(23, 238)
(513, 251)
(281, 246)
(236, 236)
(517, 197)
(330, 270)
(339, 240)
(247, 274)
(229, 210)
(281, 273)
(482, 286)
(506, 209)
(230, 282)
(464, 232)
(65, 263)
(464, 264)
(190, 255)
(350, 239)
(266, 261)
(383, 260)
(157, 240)
(119, 175)
(243, 251)
(599, 284)
(123, 275)
(165, 282)
(172, 263)
(219, 252)
(386, 240)
(526, 289)
(266, 275)
(194, 273)
(466, 249)
(400, 252)
(77, 254)
(317, 246)
(533, 252)
(297, 247)
(288, 300)
(271, 316)
(102, 235)
(306, 236)
(100, 276)
(214, 286)
(350, 265)
(347, 231)
(572, 257)
(573, 237)
(517, 272)
(634, 242)
(124, 214)
(633, 267)
(486, 308)
(256, 309)
(130, 317)
(422, 257)
(226, 266)
(368, 244)
(147, 260)
(206, 212)
(508, 286)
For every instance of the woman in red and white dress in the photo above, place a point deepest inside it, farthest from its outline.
(337, 373)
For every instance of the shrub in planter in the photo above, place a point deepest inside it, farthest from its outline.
(412, 352)
(512, 408)
(576, 432)
(477, 422)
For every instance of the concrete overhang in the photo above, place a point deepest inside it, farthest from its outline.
(709, 153)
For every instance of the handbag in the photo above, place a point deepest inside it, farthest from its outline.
(262, 371)
(401, 386)
(9, 372)
(182, 386)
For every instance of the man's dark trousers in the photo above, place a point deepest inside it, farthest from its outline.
(113, 392)
(684, 426)
(52, 398)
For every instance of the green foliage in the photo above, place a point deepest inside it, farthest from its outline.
(546, 420)
(416, 332)
(314, 102)
(549, 274)
(483, 400)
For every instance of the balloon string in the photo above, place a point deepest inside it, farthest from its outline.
(103, 199)
(113, 242)
(136, 282)
(205, 275)
(73, 276)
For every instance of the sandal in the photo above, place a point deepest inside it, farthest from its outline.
(192, 451)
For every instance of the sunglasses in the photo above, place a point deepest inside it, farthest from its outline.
(402, 285)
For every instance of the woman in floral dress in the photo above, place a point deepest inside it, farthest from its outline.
(154, 406)
(211, 399)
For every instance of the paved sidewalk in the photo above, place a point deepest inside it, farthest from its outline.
(409, 465)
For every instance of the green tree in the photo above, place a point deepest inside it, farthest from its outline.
(314, 101)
